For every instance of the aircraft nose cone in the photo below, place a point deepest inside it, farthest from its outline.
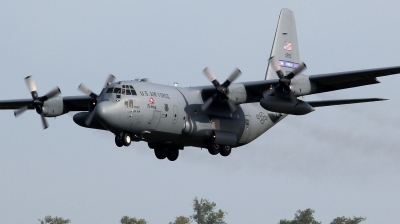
(107, 113)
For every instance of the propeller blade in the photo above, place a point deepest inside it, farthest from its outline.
(232, 106)
(208, 102)
(30, 83)
(232, 77)
(89, 119)
(276, 66)
(52, 93)
(110, 79)
(296, 71)
(87, 91)
(20, 111)
(268, 92)
(44, 122)
(209, 74)
(211, 77)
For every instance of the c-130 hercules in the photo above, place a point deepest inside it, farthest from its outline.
(218, 117)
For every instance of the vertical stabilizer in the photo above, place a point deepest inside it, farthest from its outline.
(285, 48)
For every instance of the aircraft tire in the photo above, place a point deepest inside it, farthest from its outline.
(118, 141)
(160, 153)
(214, 149)
(225, 150)
(172, 155)
(126, 139)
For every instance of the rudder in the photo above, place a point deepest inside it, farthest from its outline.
(285, 47)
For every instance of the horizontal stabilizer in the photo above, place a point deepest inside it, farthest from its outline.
(324, 103)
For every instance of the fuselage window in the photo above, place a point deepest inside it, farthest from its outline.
(109, 90)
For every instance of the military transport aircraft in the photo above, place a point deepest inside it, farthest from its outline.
(218, 117)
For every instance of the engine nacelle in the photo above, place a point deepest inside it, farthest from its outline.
(54, 107)
(237, 93)
(80, 119)
(286, 106)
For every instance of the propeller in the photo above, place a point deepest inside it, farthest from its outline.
(87, 91)
(221, 89)
(284, 80)
(37, 102)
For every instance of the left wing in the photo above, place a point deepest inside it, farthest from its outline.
(317, 83)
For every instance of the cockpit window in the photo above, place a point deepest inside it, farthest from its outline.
(109, 90)
(133, 92)
(117, 90)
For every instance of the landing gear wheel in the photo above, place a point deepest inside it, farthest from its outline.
(225, 150)
(172, 155)
(160, 153)
(118, 141)
(126, 139)
(213, 149)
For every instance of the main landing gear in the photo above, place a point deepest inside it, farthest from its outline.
(123, 139)
(214, 149)
(162, 153)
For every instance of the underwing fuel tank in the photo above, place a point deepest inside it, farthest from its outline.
(286, 106)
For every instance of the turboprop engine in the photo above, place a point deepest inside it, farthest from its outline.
(283, 99)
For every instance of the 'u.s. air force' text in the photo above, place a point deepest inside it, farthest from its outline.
(154, 94)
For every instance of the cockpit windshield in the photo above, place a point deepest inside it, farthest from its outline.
(117, 90)
(125, 90)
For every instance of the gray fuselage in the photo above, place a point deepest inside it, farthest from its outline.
(172, 115)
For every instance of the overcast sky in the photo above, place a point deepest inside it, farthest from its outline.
(341, 160)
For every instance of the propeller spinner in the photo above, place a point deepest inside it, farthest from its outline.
(37, 102)
(284, 80)
(221, 89)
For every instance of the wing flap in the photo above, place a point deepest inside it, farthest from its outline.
(325, 103)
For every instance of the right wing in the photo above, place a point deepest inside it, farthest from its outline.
(73, 103)
(78, 103)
